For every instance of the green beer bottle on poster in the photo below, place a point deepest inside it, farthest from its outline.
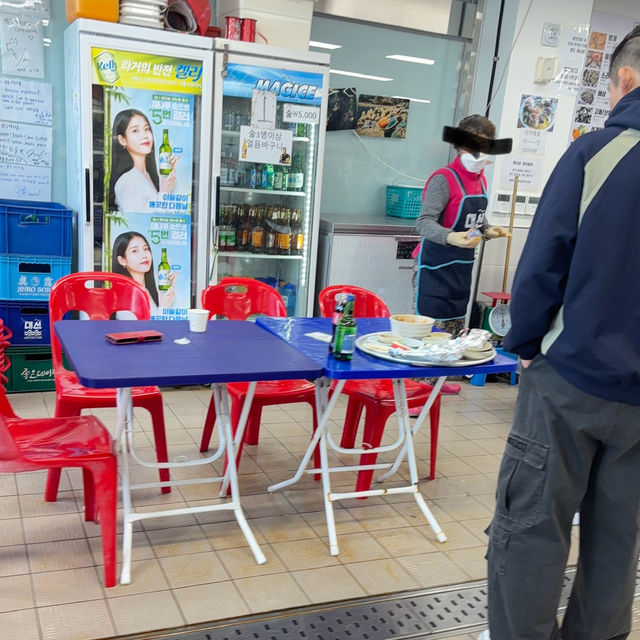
(164, 165)
(164, 271)
(344, 338)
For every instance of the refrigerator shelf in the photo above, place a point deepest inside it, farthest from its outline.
(270, 191)
(236, 134)
(248, 254)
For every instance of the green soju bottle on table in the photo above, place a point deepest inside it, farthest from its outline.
(344, 338)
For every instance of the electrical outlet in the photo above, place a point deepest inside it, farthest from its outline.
(550, 34)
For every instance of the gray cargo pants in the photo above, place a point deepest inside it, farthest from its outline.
(567, 451)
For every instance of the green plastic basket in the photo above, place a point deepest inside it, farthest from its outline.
(403, 202)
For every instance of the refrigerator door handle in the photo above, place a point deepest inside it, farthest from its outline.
(87, 195)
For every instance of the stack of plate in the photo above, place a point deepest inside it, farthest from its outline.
(144, 13)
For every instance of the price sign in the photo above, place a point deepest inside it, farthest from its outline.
(300, 113)
(263, 109)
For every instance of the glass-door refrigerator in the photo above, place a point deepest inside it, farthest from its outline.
(268, 143)
(139, 107)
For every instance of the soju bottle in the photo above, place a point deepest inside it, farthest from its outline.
(165, 154)
(164, 271)
(345, 335)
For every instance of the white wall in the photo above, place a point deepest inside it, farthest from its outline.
(519, 80)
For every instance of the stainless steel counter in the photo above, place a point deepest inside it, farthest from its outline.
(367, 224)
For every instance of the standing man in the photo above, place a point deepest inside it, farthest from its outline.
(575, 440)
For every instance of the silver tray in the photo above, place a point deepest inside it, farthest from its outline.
(361, 343)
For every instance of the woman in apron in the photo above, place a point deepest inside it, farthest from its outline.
(452, 222)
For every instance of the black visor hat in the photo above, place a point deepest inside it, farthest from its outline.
(476, 144)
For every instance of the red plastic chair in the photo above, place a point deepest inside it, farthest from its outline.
(35, 444)
(79, 292)
(376, 395)
(237, 299)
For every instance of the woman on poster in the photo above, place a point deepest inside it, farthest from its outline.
(132, 257)
(135, 181)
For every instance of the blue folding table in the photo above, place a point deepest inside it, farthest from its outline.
(306, 335)
(227, 352)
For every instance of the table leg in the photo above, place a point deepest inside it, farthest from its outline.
(240, 429)
(323, 422)
(416, 427)
(400, 394)
(124, 428)
(222, 412)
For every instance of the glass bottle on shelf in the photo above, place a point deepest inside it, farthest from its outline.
(231, 228)
(253, 177)
(295, 179)
(267, 176)
(297, 235)
(229, 119)
(277, 178)
(283, 238)
(257, 232)
(270, 231)
(245, 236)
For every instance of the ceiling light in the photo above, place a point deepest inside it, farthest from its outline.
(397, 56)
(324, 45)
(412, 99)
(359, 75)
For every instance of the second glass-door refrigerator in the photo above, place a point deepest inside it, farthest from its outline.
(269, 114)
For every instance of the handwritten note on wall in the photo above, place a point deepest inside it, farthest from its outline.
(26, 7)
(25, 161)
(22, 46)
(26, 101)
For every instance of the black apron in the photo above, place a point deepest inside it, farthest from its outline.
(444, 272)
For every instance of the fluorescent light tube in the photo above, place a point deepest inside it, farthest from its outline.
(324, 45)
(359, 75)
(412, 99)
(397, 56)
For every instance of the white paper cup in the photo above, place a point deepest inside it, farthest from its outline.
(198, 319)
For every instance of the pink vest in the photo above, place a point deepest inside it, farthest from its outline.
(472, 182)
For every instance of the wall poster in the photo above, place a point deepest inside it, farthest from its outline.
(592, 104)
(147, 144)
(382, 117)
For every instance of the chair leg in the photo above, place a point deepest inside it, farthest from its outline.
(105, 479)
(209, 423)
(155, 408)
(90, 504)
(53, 482)
(375, 420)
(252, 432)
(434, 420)
(351, 422)
(63, 410)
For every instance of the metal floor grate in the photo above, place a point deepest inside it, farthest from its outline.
(434, 613)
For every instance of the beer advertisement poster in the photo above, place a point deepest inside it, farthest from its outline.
(155, 250)
(147, 148)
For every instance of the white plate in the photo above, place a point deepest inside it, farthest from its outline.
(370, 349)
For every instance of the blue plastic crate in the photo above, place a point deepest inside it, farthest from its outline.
(28, 322)
(30, 277)
(35, 228)
(403, 202)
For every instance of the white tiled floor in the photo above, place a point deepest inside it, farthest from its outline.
(189, 569)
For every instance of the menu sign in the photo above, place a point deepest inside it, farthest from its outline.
(592, 104)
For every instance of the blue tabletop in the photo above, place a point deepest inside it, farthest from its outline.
(227, 352)
(362, 365)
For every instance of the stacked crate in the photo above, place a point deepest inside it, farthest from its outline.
(35, 250)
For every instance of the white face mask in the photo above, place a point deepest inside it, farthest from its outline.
(473, 164)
